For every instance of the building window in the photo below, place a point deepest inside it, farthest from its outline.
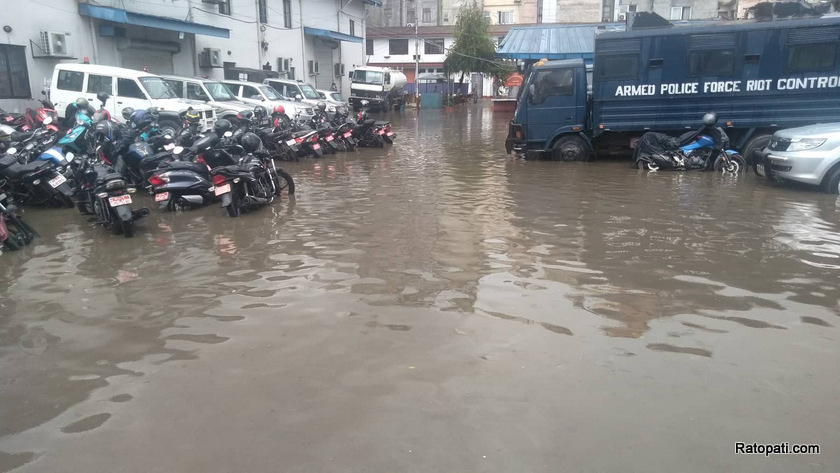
(352, 28)
(287, 13)
(261, 6)
(14, 77)
(680, 13)
(224, 7)
(506, 17)
(397, 46)
(369, 47)
(427, 15)
(711, 63)
(410, 16)
(811, 57)
(433, 46)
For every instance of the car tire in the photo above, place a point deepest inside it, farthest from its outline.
(831, 183)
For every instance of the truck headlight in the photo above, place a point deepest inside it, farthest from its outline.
(801, 144)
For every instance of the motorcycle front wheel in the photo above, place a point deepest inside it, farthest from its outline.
(282, 180)
(235, 207)
(734, 164)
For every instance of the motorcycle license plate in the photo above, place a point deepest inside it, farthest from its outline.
(119, 200)
(222, 189)
(390, 133)
(57, 181)
(169, 146)
(162, 196)
(329, 138)
(381, 132)
(316, 146)
(348, 134)
(291, 142)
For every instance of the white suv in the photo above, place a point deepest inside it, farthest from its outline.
(126, 88)
(809, 154)
(261, 94)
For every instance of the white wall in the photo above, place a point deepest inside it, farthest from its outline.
(381, 48)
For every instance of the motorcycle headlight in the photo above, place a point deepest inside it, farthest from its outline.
(115, 184)
(801, 144)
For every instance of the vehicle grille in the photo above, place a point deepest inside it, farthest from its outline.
(209, 114)
(779, 144)
(308, 111)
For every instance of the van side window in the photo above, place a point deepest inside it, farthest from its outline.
(129, 89)
(70, 80)
(249, 92)
(617, 66)
(195, 92)
(553, 83)
(98, 84)
(176, 86)
(810, 57)
(711, 63)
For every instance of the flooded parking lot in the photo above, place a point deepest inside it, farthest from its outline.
(433, 306)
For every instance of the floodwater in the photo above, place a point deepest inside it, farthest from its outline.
(433, 306)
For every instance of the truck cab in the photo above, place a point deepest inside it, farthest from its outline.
(553, 111)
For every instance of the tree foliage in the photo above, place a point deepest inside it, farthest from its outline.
(473, 49)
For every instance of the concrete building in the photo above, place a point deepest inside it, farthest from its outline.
(510, 12)
(395, 47)
(312, 40)
(411, 12)
(668, 9)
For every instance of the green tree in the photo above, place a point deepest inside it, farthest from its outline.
(473, 49)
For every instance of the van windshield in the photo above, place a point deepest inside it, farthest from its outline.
(367, 77)
(309, 91)
(157, 88)
(220, 92)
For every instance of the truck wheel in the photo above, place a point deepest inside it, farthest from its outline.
(569, 148)
(831, 184)
(170, 128)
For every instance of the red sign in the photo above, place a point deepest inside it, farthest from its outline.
(514, 80)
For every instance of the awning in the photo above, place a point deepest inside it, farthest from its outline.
(553, 41)
(331, 34)
(139, 19)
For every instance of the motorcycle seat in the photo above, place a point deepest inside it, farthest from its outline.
(19, 136)
(233, 169)
(186, 165)
(16, 170)
(7, 161)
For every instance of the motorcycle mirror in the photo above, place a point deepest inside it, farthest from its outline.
(178, 150)
(69, 157)
(228, 134)
(11, 150)
(47, 120)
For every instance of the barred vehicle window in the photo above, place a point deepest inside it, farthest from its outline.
(70, 80)
(811, 57)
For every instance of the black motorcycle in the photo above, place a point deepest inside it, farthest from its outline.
(106, 195)
(14, 232)
(36, 183)
(182, 184)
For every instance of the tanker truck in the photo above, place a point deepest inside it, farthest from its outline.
(382, 87)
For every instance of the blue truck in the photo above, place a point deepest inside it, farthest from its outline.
(757, 77)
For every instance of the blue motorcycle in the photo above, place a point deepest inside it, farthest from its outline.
(703, 149)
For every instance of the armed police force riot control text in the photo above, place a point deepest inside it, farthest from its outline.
(729, 86)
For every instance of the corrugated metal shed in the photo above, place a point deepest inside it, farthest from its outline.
(553, 41)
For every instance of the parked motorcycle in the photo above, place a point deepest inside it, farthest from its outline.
(182, 184)
(697, 150)
(14, 232)
(106, 195)
(37, 182)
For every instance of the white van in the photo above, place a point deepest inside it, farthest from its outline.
(127, 88)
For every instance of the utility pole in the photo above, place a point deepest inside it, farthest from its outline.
(416, 61)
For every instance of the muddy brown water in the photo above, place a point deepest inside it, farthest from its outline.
(435, 305)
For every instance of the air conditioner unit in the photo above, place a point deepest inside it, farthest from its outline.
(55, 44)
(313, 68)
(283, 64)
(339, 70)
(622, 17)
(210, 58)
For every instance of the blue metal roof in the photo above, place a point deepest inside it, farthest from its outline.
(331, 34)
(130, 18)
(553, 41)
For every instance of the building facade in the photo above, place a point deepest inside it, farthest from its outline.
(510, 12)
(445, 12)
(317, 41)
